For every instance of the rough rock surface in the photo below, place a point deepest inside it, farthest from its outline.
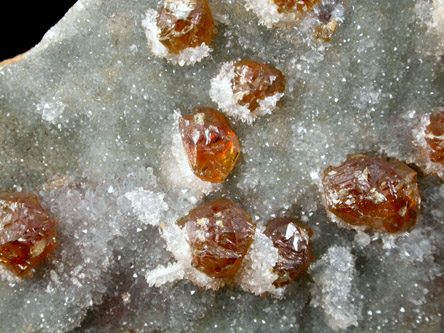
(86, 119)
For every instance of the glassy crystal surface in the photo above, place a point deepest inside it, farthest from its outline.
(254, 82)
(27, 233)
(219, 234)
(434, 136)
(184, 24)
(374, 193)
(292, 239)
(210, 143)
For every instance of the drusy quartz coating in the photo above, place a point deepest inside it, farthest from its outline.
(295, 5)
(254, 81)
(184, 24)
(434, 136)
(219, 234)
(210, 143)
(292, 240)
(374, 193)
(27, 233)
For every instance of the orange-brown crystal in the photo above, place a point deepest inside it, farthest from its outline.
(434, 135)
(210, 143)
(295, 5)
(181, 28)
(292, 240)
(219, 234)
(374, 193)
(254, 81)
(27, 233)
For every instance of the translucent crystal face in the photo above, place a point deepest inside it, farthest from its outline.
(185, 23)
(295, 5)
(254, 81)
(372, 192)
(219, 234)
(434, 135)
(27, 233)
(292, 239)
(210, 143)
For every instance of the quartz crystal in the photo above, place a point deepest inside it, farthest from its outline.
(219, 234)
(27, 233)
(185, 24)
(253, 82)
(292, 239)
(210, 143)
(373, 193)
(434, 136)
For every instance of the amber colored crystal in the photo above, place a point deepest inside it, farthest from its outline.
(27, 233)
(292, 239)
(434, 135)
(219, 234)
(295, 5)
(374, 193)
(324, 31)
(210, 143)
(254, 81)
(185, 23)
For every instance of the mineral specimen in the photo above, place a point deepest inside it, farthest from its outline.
(373, 193)
(210, 143)
(27, 233)
(219, 234)
(182, 30)
(292, 239)
(295, 5)
(247, 89)
(434, 136)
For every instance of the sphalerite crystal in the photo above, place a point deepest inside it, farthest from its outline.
(373, 193)
(185, 24)
(295, 5)
(292, 239)
(27, 233)
(210, 143)
(434, 136)
(253, 82)
(219, 234)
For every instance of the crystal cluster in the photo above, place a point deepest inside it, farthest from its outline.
(247, 89)
(181, 32)
(27, 233)
(373, 193)
(211, 146)
(219, 234)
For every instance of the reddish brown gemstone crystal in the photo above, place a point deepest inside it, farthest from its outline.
(184, 24)
(210, 143)
(254, 81)
(292, 239)
(434, 135)
(372, 192)
(219, 234)
(295, 5)
(27, 233)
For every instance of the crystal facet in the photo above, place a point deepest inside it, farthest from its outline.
(210, 143)
(373, 193)
(434, 136)
(219, 234)
(27, 233)
(292, 239)
(254, 81)
(184, 24)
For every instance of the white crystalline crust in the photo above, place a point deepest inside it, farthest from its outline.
(161, 275)
(256, 273)
(423, 156)
(268, 14)
(143, 202)
(178, 172)
(221, 92)
(438, 16)
(187, 56)
(334, 290)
